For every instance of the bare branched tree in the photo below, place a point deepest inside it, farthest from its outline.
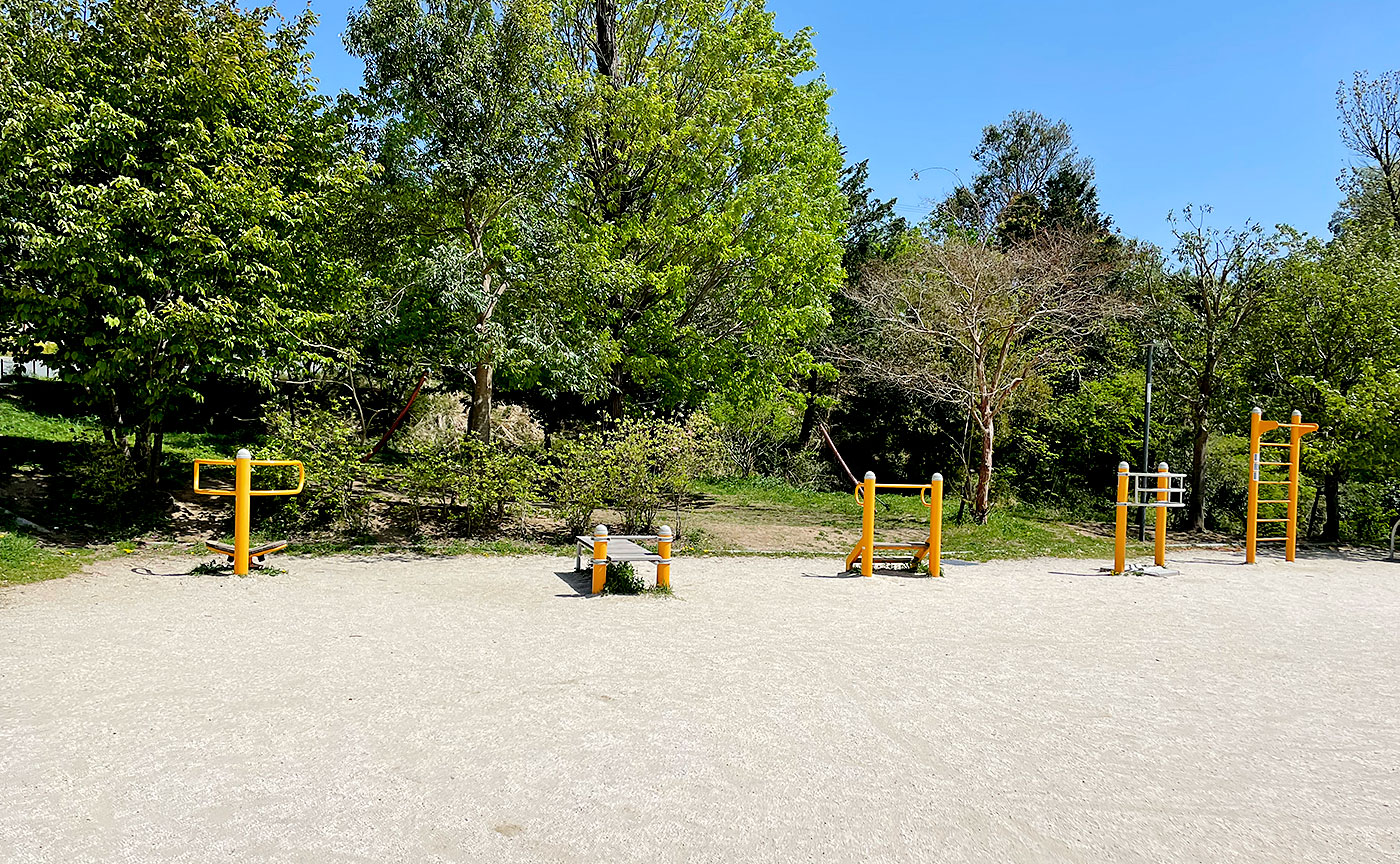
(968, 324)
(1370, 113)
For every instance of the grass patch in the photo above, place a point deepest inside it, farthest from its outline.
(23, 560)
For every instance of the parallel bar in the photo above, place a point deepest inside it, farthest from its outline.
(1272, 501)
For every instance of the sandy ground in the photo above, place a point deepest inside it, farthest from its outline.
(402, 710)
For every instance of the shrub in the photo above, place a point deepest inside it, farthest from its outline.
(650, 464)
(623, 579)
(581, 479)
(472, 485)
(331, 448)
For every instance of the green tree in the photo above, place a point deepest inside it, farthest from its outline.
(470, 111)
(1201, 311)
(166, 175)
(1369, 109)
(1329, 347)
(706, 197)
(1030, 181)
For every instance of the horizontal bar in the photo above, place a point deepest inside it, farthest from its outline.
(1273, 482)
(914, 547)
(1272, 501)
(1261, 521)
(1273, 444)
(215, 462)
(1268, 539)
(1308, 426)
(1278, 464)
(901, 485)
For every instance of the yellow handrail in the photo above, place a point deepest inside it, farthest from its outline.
(255, 463)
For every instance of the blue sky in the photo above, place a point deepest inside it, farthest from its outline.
(1230, 104)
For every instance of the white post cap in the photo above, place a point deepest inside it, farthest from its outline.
(600, 531)
(937, 478)
(1162, 467)
(1122, 466)
(1256, 411)
(664, 532)
(869, 475)
(243, 454)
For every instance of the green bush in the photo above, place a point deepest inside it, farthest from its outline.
(581, 479)
(650, 465)
(622, 578)
(331, 448)
(472, 486)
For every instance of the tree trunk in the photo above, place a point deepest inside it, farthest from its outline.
(479, 420)
(982, 506)
(1196, 506)
(1332, 491)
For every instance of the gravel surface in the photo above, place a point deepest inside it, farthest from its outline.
(403, 710)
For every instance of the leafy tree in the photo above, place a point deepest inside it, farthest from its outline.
(471, 113)
(1200, 312)
(968, 324)
(166, 175)
(1030, 180)
(706, 197)
(1329, 347)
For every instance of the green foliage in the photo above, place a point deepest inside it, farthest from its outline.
(330, 447)
(167, 180)
(580, 479)
(650, 465)
(706, 197)
(476, 486)
(623, 579)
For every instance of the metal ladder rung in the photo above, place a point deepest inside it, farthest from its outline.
(1278, 464)
(1272, 501)
(1260, 521)
(1272, 482)
(1273, 444)
(1268, 539)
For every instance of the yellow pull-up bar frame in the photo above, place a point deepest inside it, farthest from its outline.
(1258, 428)
(243, 492)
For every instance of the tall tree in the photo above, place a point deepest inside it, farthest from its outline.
(470, 112)
(1330, 347)
(167, 179)
(1369, 109)
(706, 196)
(966, 323)
(1030, 179)
(1201, 312)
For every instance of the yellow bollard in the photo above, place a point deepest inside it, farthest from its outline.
(1160, 532)
(1120, 528)
(663, 548)
(242, 509)
(1295, 445)
(600, 558)
(1251, 518)
(867, 527)
(935, 526)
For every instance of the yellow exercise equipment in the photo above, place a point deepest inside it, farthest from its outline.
(1165, 492)
(931, 496)
(1258, 428)
(603, 547)
(243, 493)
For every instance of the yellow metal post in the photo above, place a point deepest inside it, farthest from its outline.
(1251, 518)
(1159, 535)
(867, 527)
(935, 526)
(663, 548)
(1120, 528)
(1295, 442)
(242, 510)
(600, 558)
